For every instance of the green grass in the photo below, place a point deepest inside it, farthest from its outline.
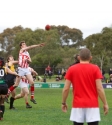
(48, 110)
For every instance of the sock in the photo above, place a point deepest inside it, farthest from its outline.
(2, 108)
(27, 103)
(32, 91)
(10, 90)
(11, 102)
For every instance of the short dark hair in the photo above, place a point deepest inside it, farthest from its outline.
(20, 44)
(85, 54)
(76, 56)
(9, 57)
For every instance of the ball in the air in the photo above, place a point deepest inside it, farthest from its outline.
(47, 27)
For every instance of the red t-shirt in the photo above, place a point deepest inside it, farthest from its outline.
(83, 77)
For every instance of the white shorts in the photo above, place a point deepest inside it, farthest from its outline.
(23, 84)
(82, 115)
(23, 71)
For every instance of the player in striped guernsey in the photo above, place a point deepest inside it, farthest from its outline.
(24, 60)
(24, 84)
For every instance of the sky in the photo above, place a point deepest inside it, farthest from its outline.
(89, 16)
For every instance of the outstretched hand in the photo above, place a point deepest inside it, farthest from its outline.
(42, 44)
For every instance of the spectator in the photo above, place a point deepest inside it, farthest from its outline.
(59, 72)
(40, 79)
(50, 74)
(48, 71)
(63, 73)
(58, 78)
(76, 59)
(110, 74)
(103, 74)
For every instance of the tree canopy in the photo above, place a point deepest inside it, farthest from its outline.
(100, 46)
(61, 43)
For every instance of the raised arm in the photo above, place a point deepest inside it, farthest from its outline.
(11, 72)
(34, 72)
(11, 62)
(33, 46)
(14, 62)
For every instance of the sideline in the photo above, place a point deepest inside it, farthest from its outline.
(61, 85)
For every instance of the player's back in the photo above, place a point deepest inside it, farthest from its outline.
(83, 78)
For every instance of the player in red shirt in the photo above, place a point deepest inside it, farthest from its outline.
(85, 78)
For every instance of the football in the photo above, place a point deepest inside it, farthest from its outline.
(47, 27)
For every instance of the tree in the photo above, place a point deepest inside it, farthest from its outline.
(100, 46)
(67, 55)
(69, 35)
(7, 39)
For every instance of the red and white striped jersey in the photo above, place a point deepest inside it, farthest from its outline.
(23, 56)
(24, 80)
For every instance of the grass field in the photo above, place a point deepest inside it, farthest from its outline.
(48, 110)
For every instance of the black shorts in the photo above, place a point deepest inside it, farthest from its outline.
(10, 83)
(10, 79)
(3, 89)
